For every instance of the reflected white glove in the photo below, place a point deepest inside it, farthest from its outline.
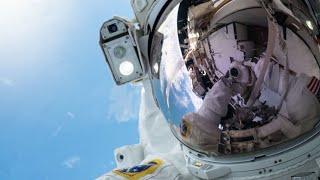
(238, 78)
(255, 67)
(201, 129)
(274, 77)
(200, 132)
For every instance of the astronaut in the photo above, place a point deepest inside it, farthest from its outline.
(201, 128)
(181, 135)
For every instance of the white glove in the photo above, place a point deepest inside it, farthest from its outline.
(200, 132)
(201, 129)
(238, 78)
(274, 77)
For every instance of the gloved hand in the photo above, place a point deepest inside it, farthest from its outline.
(238, 78)
(256, 67)
(200, 132)
(275, 78)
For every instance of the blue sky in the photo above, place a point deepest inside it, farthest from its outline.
(61, 115)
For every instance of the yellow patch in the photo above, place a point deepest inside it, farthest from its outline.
(198, 164)
(140, 171)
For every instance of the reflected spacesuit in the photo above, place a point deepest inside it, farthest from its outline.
(301, 107)
(225, 95)
(202, 128)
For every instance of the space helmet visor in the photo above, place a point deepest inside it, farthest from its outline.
(199, 43)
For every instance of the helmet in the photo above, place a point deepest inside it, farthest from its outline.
(198, 43)
(237, 81)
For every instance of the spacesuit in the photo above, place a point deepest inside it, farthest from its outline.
(297, 115)
(169, 162)
(252, 63)
(201, 128)
(204, 127)
(168, 155)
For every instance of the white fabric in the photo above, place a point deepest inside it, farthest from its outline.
(162, 142)
(155, 134)
(203, 126)
(128, 156)
(303, 106)
(156, 142)
(216, 103)
(300, 106)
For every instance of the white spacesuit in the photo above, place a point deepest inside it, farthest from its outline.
(257, 121)
(157, 143)
(301, 106)
(169, 162)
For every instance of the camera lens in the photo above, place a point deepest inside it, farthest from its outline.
(112, 28)
(234, 72)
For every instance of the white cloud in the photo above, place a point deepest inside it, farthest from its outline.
(58, 130)
(174, 66)
(124, 103)
(6, 81)
(71, 115)
(71, 162)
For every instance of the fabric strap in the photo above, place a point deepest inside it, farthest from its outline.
(272, 34)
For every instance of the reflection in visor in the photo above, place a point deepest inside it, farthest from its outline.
(228, 83)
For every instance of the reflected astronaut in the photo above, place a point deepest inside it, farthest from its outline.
(270, 102)
(202, 128)
(297, 115)
(231, 88)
